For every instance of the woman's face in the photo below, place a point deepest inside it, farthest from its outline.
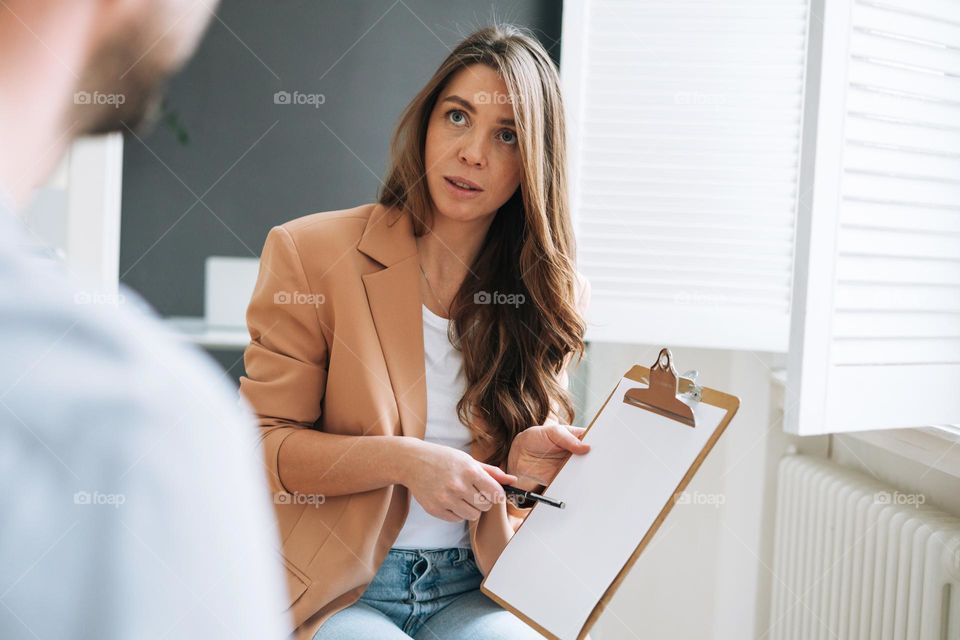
(471, 137)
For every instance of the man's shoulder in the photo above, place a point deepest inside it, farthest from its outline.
(85, 356)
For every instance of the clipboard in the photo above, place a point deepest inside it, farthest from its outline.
(547, 575)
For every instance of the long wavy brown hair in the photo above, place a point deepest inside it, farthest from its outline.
(512, 354)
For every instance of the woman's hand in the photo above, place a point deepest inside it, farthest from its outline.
(538, 452)
(451, 485)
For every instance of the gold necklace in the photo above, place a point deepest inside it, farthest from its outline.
(446, 311)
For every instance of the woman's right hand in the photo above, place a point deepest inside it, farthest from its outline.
(451, 485)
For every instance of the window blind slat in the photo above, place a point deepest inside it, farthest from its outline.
(898, 269)
(906, 22)
(894, 324)
(935, 10)
(901, 106)
(929, 244)
(888, 186)
(900, 215)
(873, 158)
(922, 351)
(928, 86)
(906, 297)
(707, 259)
(891, 48)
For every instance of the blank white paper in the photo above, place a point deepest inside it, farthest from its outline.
(558, 565)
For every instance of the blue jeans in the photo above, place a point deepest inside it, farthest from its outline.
(427, 594)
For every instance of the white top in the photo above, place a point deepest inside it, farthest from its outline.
(445, 387)
(135, 503)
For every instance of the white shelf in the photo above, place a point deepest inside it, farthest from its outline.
(197, 331)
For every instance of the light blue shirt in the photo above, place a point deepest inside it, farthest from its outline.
(133, 502)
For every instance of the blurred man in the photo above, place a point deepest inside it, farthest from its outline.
(133, 503)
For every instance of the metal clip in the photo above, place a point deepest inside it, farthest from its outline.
(694, 392)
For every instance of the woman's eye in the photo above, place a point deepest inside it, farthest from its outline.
(454, 114)
(508, 136)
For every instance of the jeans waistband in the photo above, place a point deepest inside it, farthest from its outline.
(452, 554)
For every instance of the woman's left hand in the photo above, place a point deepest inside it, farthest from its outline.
(538, 452)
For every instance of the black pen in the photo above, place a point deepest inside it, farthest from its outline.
(529, 495)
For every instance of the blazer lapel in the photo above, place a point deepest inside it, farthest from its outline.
(393, 294)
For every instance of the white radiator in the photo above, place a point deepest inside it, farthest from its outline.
(854, 558)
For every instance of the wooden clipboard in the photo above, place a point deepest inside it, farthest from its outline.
(665, 394)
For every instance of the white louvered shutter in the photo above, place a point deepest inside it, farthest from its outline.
(876, 337)
(684, 122)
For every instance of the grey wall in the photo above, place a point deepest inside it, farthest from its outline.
(256, 164)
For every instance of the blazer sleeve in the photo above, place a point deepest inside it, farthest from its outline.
(286, 359)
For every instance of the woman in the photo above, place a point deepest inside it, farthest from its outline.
(408, 357)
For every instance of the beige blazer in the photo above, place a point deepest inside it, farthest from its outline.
(336, 344)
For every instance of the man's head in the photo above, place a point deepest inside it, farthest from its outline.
(134, 48)
(73, 67)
